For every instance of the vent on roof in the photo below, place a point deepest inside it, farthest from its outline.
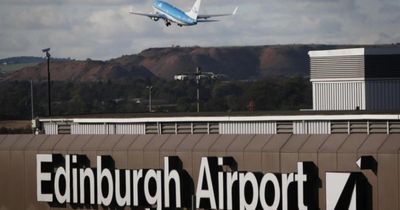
(184, 128)
(284, 127)
(64, 128)
(394, 127)
(200, 128)
(168, 128)
(378, 127)
(358, 127)
(213, 128)
(339, 127)
(151, 128)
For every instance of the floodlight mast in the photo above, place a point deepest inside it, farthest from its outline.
(197, 75)
(48, 78)
(150, 89)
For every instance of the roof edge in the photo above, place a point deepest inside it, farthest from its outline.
(355, 51)
(338, 52)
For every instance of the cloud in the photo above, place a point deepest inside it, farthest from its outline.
(64, 2)
(102, 29)
(385, 38)
(35, 18)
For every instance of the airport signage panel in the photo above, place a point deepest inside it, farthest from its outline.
(70, 179)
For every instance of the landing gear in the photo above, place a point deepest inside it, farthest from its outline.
(167, 24)
(180, 25)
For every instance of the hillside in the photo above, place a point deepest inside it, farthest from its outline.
(235, 62)
(254, 62)
(81, 71)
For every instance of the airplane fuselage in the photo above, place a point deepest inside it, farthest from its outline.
(173, 13)
(170, 14)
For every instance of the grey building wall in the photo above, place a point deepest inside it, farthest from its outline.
(247, 128)
(382, 94)
(371, 95)
(312, 127)
(339, 95)
(51, 128)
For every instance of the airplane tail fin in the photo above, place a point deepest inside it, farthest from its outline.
(195, 10)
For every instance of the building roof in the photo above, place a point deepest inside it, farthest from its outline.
(355, 64)
(220, 117)
(355, 51)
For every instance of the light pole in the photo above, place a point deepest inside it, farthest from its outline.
(150, 89)
(32, 100)
(32, 111)
(198, 74)
(48, 78)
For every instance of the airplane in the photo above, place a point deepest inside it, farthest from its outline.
(171, 14)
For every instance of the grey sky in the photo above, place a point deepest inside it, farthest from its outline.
(103, 29)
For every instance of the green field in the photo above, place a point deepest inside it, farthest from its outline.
(15, 127)
(15, 124)
(4, 69)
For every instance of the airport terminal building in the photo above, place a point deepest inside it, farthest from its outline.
(342, 154)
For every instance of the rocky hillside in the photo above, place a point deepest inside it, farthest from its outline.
(235, 62)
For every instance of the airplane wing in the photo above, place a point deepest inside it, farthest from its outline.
(206, 21)
(148, 15)
(205, 17)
